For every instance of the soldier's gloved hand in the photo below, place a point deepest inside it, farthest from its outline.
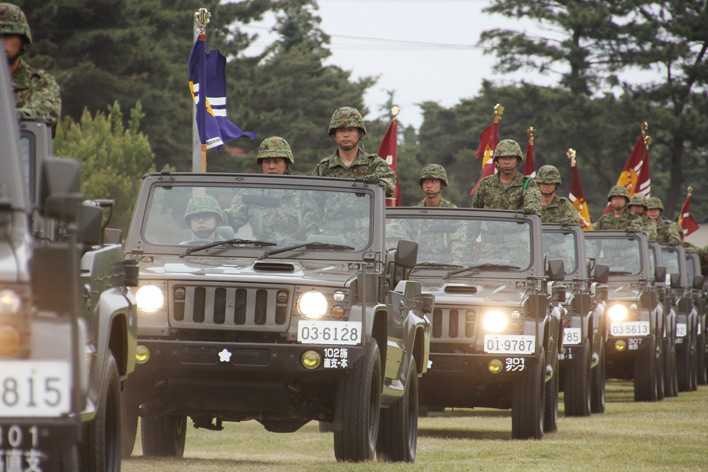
(371, 179)
(529, 211)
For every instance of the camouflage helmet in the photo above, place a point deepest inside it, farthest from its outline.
(346, 117)
(203, 204)
(274, 146)
(508, 147)
(638, 200)
(14, 21)
(618, 191)
(548, 175)
(653, 203)
(433, 171)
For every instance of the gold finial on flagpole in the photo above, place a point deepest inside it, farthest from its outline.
(647, 141)
(644, 126)
(690, 190)
(498, 110)
(531, 131)
(570, 154)
(395, 111)
(202, 17)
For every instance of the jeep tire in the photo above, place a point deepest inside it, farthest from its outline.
(645, 379)
(550, 409)
(577, 382)
(129, 425)
(357, 411)
(597, 384)
(527, 404)
(164, 435)
(398, 427)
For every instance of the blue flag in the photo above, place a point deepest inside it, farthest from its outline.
(207, 73)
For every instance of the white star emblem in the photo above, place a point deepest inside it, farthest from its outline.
(224, 356)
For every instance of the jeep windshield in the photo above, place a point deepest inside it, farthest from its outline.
(557, 245)
(622, 255)
(215, 219)
(465, 246)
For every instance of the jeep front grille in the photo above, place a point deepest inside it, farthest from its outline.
(452, 324)
(227, 307)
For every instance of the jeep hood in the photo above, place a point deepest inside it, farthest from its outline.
(502, 293)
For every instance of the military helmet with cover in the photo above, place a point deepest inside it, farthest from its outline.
(653, 203)
(508, 147)
(548, 175)
(433, 171)
(638, 200)
(618, 191)
(203, 204)
(14, 21)
(274, 147)
(346, 117)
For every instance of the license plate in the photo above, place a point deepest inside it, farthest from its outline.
(329, 332)
(681, 330)
(571, 335)
(34, 389)
(630, 328)
(509, 344)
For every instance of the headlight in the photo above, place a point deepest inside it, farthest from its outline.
(312, 305)
(617, 312)
(494, 321)
(10, 302)
(149, 298)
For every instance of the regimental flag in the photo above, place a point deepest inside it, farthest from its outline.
(576, 196)
(635, 175)
(207, 73)
(685, 220)
(388, 151)
(529, 167)
(487, 144)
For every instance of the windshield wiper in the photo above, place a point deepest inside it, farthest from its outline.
(310, 245)
(252, 242)
(479, 267)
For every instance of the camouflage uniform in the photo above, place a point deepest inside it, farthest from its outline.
(443, 203)
(627, 220)
(445, 246)
(649, 224)
(560, 210)
(271, 219)
(666, 231)
(369, 166)
(36, 93)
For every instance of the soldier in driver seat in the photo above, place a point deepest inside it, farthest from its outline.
(203, 215)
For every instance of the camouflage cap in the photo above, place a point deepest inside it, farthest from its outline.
(433, 171)
(618, 191)
(548, 175)
(638, 200)
(654, 203)
(203, 204)
(274, 146)
(346, 117)
(14, 21)
(508, 147)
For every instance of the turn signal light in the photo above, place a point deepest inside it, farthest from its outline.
(10, 340)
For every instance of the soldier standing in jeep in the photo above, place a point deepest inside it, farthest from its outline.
(432, 179)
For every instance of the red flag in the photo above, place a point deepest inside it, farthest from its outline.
(487, 144)
(635, 175)
(529, 168)
(388, 151)
(685, 220)
(576, 196)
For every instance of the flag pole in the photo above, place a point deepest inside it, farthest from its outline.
(202, 17)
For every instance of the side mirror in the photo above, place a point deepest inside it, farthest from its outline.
(89, 224)
(660, 273)
(602, 273)
(698, 281)
(113, 236)
(59, 195)
(675, 280)
(556, 269)
(406, 254)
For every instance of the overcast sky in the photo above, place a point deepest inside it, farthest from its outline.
(421, 49)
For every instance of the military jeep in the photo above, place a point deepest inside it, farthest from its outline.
(495, 334)
(582, 357)
(66, 317)
(295, 312)
(700, 301)
(634, 320)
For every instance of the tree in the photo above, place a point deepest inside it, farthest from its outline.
(113, 157)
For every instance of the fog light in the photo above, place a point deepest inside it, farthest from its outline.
(9, 340)
(142, 354)
(311, 359)
(495, 366)
(337, 312)
(620, 345)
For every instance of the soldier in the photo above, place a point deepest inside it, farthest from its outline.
(638, 205)
(203, 215)
(666, 232)
(274, 156)
(432, 178)
(508, 189)
(554, 209)
(36, 93)
(619, 217)
(347, 128)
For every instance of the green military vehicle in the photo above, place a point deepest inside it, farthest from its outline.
(287, 308)
(67, 320)
(699, 294)
(496, 334)
(635, 318)
(582, 357)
